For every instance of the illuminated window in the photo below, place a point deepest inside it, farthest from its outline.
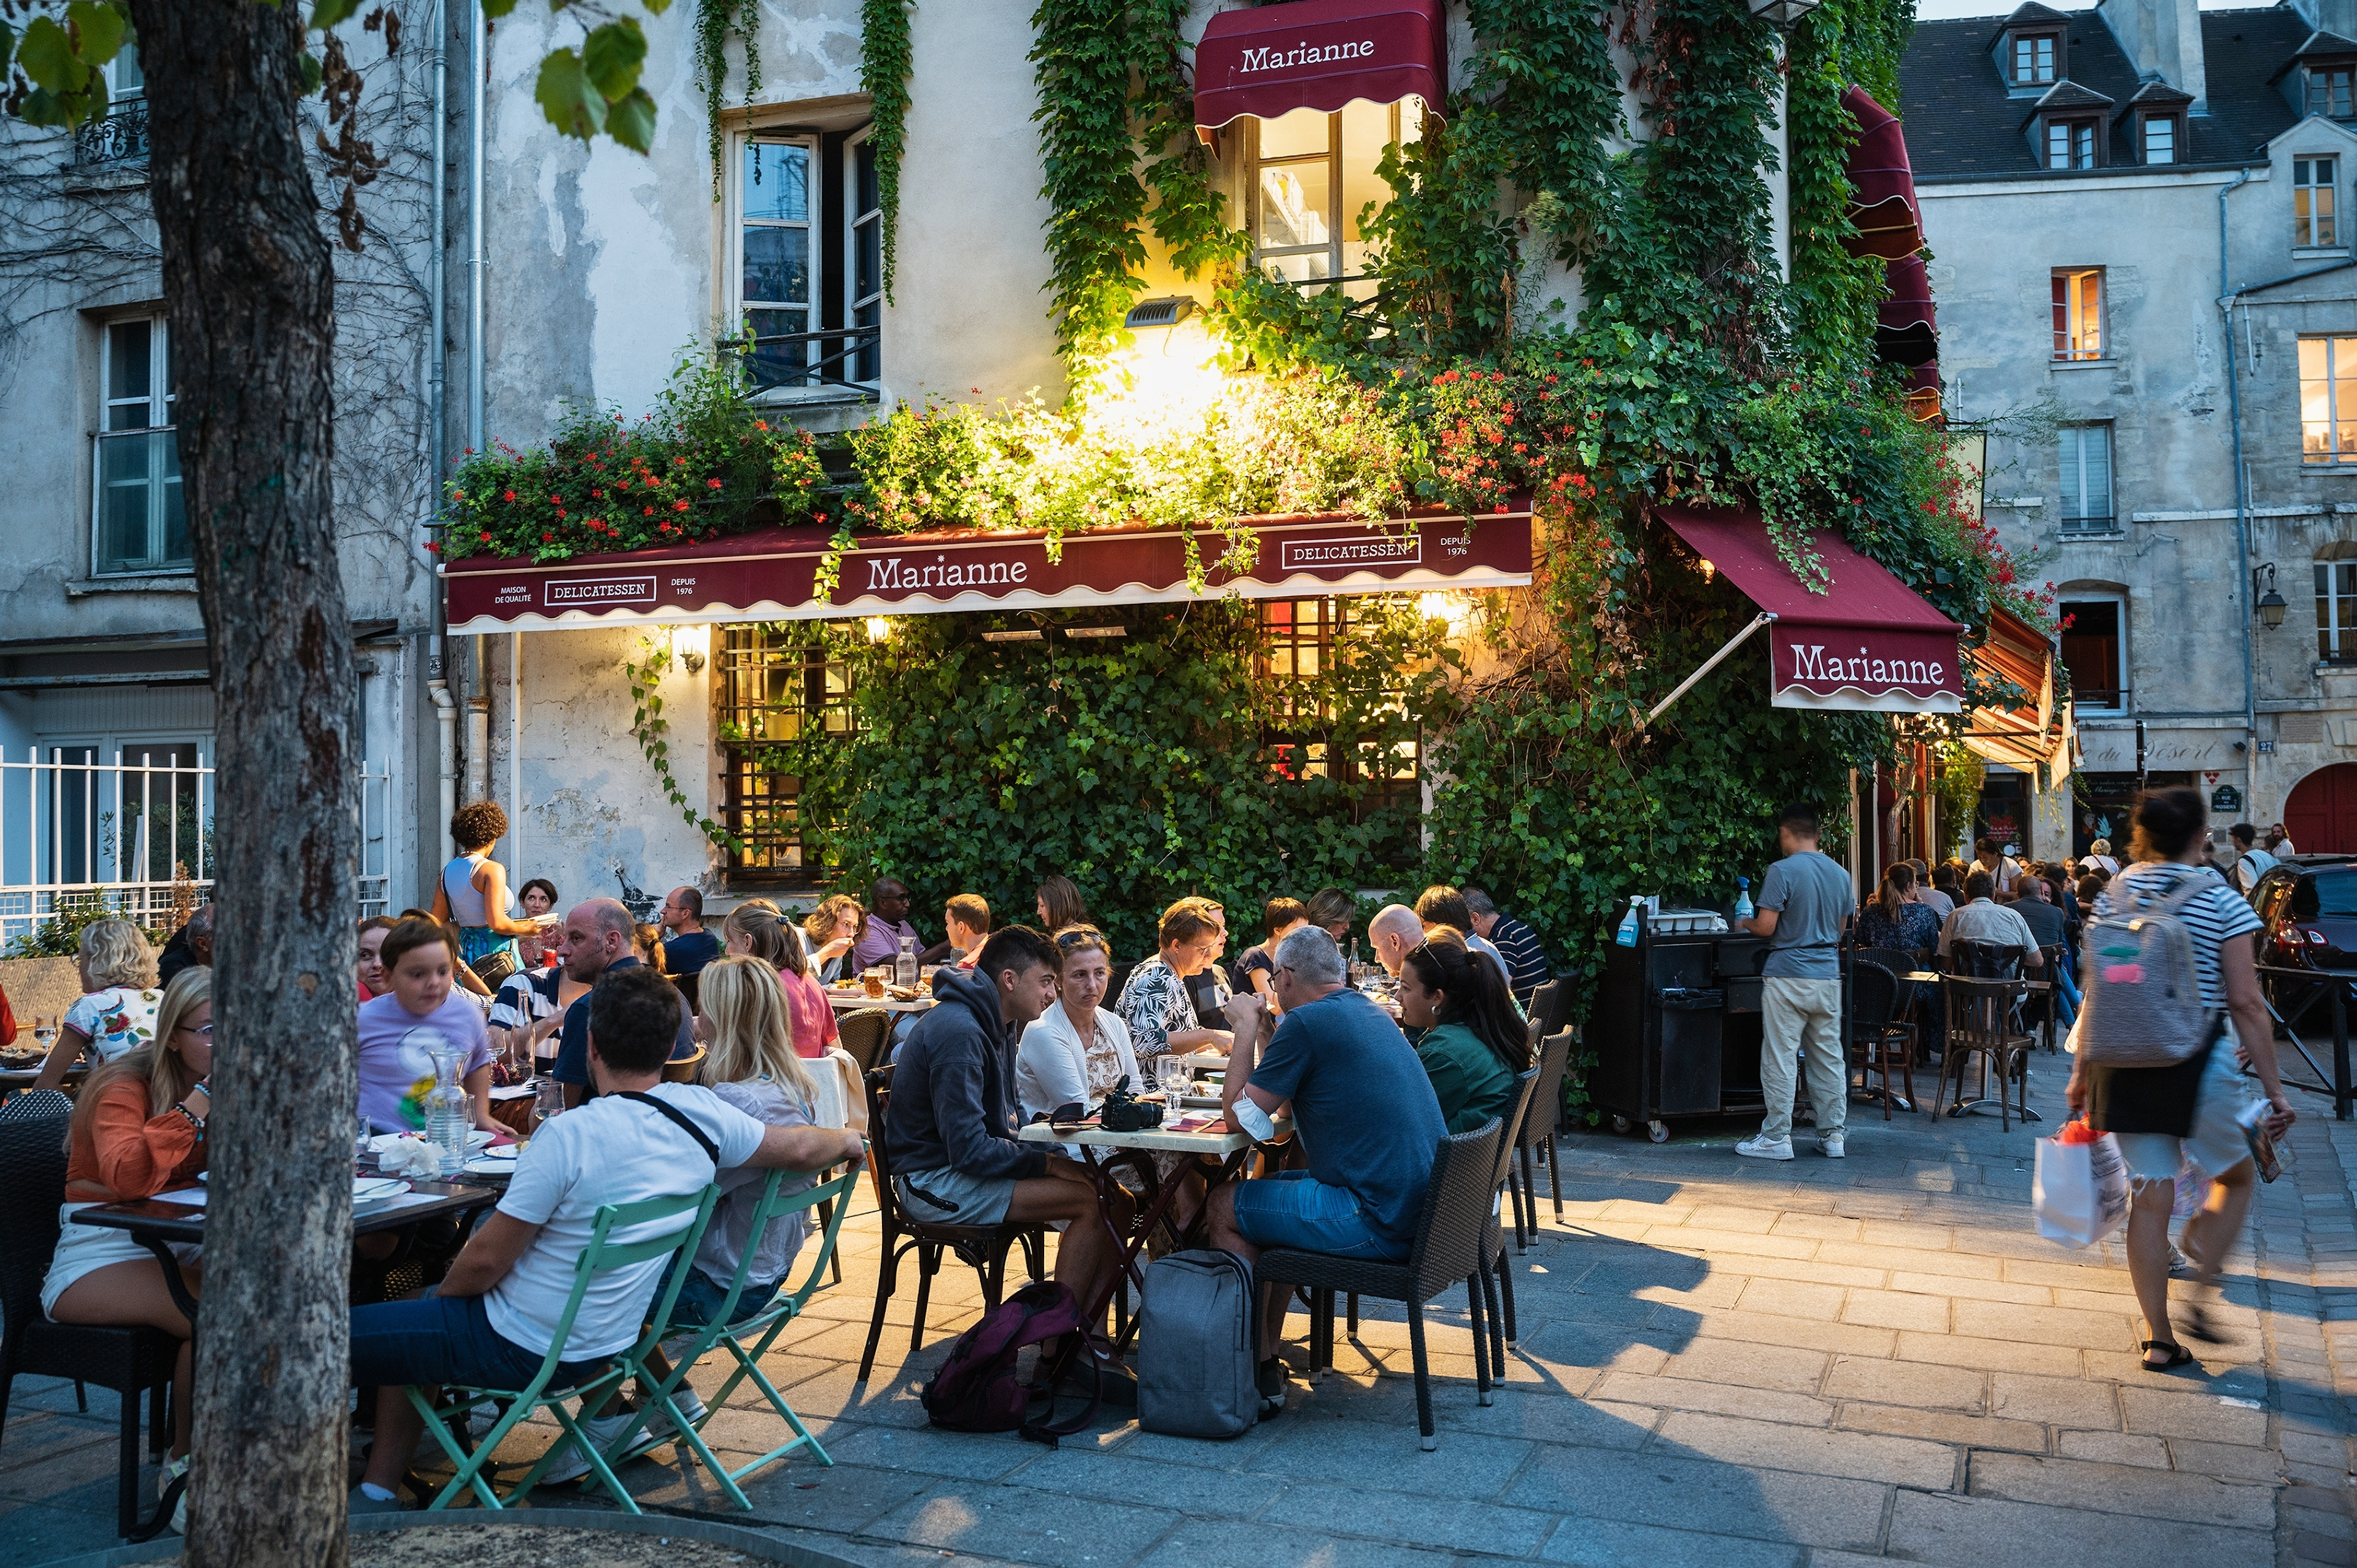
(777, 686)
(2328, 416)
(1311, 176)
(2069, 143)
(2033, 59)
(2079, 313)
(2315, 212)
(1307, 646)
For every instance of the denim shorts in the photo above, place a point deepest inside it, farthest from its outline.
(1294, 1209)
(2215, 1143)
(699, 1298)
(448, 1339)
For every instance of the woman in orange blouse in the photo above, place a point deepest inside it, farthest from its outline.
(138, 1129)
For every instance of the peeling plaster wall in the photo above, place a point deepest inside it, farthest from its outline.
(590, 800)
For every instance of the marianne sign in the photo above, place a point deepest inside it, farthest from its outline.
(772, 575)
(1318, 54)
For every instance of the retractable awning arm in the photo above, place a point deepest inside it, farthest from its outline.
(1763, 618)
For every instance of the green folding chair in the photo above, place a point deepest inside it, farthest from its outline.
(689, 1214)
(768, 1323)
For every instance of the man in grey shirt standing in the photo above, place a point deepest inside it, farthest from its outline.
(1805, 902)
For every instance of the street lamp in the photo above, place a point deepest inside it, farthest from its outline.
(2270, 604)
(1782, 14)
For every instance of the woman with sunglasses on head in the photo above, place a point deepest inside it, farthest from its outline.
(138, 1129)
(1474, 1043)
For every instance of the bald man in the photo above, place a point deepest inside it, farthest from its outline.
(1395, 932)
(599, 936)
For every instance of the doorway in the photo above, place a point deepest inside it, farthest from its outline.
(2322, 815)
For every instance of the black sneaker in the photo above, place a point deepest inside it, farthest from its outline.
(1272, 1387)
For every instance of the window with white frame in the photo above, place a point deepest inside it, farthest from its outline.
(865, 305)
(1309, 177)
(776, 249)
(139, 523)
(2086, 464)
(2336, 611)
(2078, 313)
(2328, 413)
(2159, 138)
(2315, 212)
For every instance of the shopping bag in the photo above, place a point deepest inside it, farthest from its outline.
(2080, 1190)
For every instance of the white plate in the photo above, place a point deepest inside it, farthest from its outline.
(505, 1152)
(478, 1138)
(375, 1192)
(488, 1165)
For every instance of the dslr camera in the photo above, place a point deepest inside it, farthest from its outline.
(1124, 1113)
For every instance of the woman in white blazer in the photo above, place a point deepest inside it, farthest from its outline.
(1075, 1050)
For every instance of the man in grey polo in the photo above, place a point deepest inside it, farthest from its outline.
(1805, 902)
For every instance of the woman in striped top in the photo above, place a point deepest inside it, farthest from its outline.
(2164, 1116)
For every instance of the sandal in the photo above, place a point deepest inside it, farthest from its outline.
(2178, 1356)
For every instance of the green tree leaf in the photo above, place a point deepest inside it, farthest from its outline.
(611, 56)
(568, 96)
(98, 29)
(47, 57)
(630, 120)
(326, 14)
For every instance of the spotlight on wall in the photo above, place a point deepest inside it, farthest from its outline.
(1015, 634)
(1782, 14)
(2270, 604)
(879, 630)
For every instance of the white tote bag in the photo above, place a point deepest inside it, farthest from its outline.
(2079, 1193)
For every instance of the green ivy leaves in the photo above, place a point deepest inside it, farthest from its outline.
(598, 88)
(65, 61)
(886, 60)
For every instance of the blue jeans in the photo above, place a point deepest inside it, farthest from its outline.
(699, 1299)
(1294, 1209)
(447, 1339)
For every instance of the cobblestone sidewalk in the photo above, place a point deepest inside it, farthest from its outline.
(1721, 1362)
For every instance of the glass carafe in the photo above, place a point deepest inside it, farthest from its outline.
(448, 1110)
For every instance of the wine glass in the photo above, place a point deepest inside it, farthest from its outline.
(547, 1101)
(45, 1033)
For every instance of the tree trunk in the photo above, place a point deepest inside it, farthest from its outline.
(250, 295)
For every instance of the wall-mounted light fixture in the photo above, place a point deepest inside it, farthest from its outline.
(2270, 604)
(1782, 14)
(1015, 634)
(1096, 631)
(879, 630)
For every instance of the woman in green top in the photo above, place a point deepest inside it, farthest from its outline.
(1474, 1042)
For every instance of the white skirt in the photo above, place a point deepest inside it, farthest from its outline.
(85, 1248)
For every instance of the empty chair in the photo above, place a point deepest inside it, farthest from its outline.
(1879, 1036)
(1537, 1131)
(1980, 1024)
(862, 1035)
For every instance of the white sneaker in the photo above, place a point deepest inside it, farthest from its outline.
(605, 1432)
(690, 1406)
(1765, 1148)
(173, 1470)
(1831, 1146)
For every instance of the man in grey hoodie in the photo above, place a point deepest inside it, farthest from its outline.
(951, 1128)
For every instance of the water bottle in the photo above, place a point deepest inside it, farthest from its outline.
(1742, 900)
(905, 971)
(1627, 935)
(448, 1113)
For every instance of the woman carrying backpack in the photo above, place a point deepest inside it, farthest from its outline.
(2163, 1116)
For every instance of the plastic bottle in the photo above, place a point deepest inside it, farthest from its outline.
(1742, 899)
(1627, 935)
(905, 971)
(448, 1110)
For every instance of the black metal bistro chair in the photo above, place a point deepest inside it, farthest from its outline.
(982, 1247)
(1880, 1036)
(1447, 1253)
(131, 1362)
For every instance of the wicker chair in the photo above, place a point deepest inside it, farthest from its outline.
(1494, 1233)
(1446, 1251)
(982, 1247)
(864, 1035)
(1537, 1131)
(1550, 1006)
(129, 1360)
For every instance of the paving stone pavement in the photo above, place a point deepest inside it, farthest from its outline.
(1720, 1361)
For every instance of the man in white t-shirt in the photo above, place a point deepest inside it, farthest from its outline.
(493, 1318)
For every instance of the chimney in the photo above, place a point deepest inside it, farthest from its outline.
(2328, 15)
(2162, 39)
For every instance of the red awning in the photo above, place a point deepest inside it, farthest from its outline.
(1870, 644)
(1319, 54)
(1883, 204)
(1906, 332)
(771, 574)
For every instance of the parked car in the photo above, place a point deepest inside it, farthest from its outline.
(2308, 914)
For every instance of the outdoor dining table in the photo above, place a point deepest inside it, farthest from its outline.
(157, 1222)
(858, 1001)
(1220, 1140)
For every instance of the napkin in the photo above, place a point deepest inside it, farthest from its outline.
(412, 1157)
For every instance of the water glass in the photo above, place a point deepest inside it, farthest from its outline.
(547, 1101)
(1173, 1074)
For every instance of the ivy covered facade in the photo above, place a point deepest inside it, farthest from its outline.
(1606, 270)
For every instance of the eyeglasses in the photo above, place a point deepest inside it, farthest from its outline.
(204, 1030)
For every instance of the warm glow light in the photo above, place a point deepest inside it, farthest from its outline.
(879, 630)
(1166, 369)
(1709, 571)
(691, 645)
(1452, 607)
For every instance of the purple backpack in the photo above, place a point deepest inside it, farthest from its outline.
(976, 1389)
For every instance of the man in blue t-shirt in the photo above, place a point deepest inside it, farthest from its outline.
(598, 936)
(1369, 1122)
(687, 945)
(1804, 901)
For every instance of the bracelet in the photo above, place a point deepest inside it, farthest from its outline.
(194, 1121)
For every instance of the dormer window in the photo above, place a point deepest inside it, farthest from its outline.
(2071, 143)
(2157, 136)
(2035, 59)
(2332, 90)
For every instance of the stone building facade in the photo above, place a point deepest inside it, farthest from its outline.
(2138, 217)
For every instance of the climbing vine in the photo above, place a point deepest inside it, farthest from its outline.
(652, 732)
(715, 22)
(885, 62)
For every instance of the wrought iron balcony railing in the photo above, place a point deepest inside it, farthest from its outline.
(121, 136)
